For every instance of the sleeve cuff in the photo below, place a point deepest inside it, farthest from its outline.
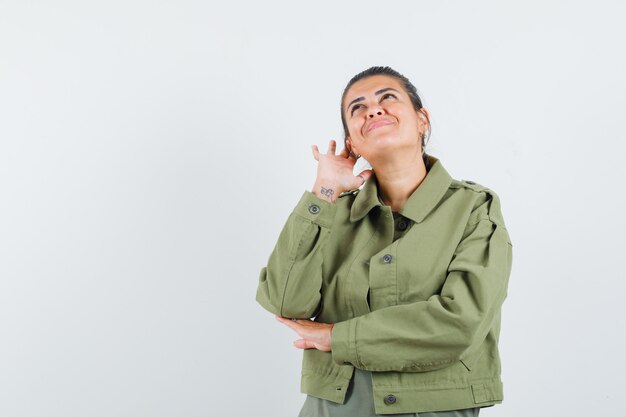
(342, 343)
(316, 210)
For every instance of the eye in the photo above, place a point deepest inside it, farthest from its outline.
(355, 108)
(387, 95)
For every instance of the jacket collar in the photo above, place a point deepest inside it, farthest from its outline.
(420, 203)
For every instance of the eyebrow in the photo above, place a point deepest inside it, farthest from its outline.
(356, 100)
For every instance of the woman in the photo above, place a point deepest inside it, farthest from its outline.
(404, 278)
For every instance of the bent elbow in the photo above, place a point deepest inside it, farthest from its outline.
(301, 310)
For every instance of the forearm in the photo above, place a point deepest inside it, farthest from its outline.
(290, 284)
(437, 332)
(420, 337)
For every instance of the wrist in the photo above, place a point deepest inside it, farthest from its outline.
(326, 191)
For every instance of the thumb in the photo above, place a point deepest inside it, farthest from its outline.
(365, 174)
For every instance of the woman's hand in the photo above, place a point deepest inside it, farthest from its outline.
(314, 335)
(335, 173)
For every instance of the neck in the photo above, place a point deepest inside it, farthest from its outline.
(396, 182)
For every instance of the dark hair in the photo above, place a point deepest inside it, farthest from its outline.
(409, 88)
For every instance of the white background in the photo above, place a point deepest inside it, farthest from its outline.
(151, 151)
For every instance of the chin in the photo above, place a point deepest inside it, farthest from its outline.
(386, 140)
(387, 145)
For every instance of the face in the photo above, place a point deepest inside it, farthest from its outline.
(381, 118)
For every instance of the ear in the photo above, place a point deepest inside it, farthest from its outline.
(350, 147)
(424, 115)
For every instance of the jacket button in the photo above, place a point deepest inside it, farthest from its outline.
(387, 258)
(390, 399)
(402, 226)
(314, 209)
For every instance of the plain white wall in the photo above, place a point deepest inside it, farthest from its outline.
(151, 151)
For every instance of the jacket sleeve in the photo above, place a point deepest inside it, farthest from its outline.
(290, 284)
(436, 333)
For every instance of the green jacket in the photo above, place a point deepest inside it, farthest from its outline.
(421, 312)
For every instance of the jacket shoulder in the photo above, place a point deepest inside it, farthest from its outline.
(483, 190)
(470, 185)
(487, 201)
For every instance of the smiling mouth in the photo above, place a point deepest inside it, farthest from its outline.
(378, 124)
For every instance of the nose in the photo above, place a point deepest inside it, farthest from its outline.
(375, 111)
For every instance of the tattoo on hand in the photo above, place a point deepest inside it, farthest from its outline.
(327, 192)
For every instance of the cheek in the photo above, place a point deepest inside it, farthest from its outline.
(354, 128)
(410, 119)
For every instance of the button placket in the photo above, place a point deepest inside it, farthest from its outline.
(382, 275)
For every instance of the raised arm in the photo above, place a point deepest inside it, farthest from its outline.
(290, 284)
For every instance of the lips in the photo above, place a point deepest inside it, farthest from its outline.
(378, 123)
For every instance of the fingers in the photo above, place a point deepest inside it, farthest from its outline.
(316, 152)
(292, 324)
(332, 147)
(302, 326)
(298, 326)
(304, 344)
(313, 335)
